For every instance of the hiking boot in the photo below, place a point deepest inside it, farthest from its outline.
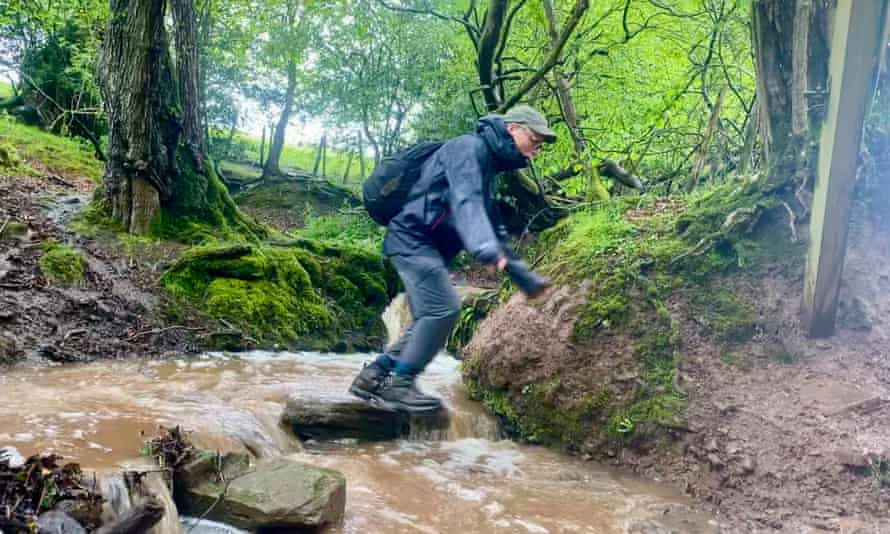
(400, 393)
(369, 381)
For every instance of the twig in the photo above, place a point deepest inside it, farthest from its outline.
(60, 180)
(75, 332)
(3, 226)
(161, 330)
(791, 220)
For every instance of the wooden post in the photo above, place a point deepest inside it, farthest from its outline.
(860, 36)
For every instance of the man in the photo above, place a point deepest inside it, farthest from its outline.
(450, 208)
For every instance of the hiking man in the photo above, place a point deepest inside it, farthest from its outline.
(451, 207)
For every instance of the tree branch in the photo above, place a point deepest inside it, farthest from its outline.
(472, 30)
(555, 53)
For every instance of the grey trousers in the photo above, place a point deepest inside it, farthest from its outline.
(435, 307)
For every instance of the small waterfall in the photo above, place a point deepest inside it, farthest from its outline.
(396, 317)
(123, 491)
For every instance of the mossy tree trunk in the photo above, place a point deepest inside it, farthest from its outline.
(157, 171)
(791, 45)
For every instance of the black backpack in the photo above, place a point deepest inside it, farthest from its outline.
(385, 192)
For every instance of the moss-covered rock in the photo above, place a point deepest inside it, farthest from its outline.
(304, 294)
(629, 274)
(61, 264)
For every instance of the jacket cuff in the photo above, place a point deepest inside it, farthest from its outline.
(487, 253)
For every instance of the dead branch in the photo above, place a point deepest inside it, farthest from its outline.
(161, 330)
(60, 180)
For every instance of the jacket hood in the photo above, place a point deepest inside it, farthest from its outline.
(493, 131)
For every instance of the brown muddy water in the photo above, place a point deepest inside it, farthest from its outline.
(466, 480)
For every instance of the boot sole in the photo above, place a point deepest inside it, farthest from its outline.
(383, 404)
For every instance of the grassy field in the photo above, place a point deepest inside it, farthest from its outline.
(303, 157)
(5, 90)
(31, 151)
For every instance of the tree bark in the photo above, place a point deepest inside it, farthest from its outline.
(488, 43)
(137, 88)
(262, 161)
(156, 160)
(188, 73)
(791, 55)
(361, 156)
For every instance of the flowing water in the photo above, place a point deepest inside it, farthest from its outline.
(466, 480)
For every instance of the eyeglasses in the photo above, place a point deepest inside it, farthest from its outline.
(536, 139)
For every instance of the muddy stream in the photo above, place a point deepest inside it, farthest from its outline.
(463, 480)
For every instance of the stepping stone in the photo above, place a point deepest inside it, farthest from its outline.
(333, 420)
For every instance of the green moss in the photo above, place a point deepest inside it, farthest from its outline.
(9, 157)
(200, 209)
(290, 295)
(61, 264)
(645, 419)
(723, 316)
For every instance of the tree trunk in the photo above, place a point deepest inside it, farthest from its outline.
(138, 91)
(156, 170)
(361, 156)
(262, 160)
(791, 54)
(272, 167)
(319, 153)
(232, 129)
(348, 166)
(595, 188)
(488, 43)
(188, 74)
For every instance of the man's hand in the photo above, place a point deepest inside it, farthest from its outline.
(497, 267)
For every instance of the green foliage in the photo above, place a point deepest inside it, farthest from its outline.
(374, 67)
(61, 264)
(5, 90)
(54, 45)
(31, 150)
(349, 227)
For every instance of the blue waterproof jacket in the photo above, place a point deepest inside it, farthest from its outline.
(452, 205)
